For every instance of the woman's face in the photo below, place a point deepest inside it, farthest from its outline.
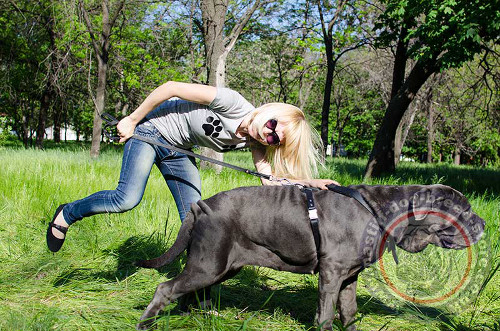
(267, 132)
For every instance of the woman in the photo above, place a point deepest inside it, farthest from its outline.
(281, 141)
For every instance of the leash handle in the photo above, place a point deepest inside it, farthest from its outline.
(109, 122)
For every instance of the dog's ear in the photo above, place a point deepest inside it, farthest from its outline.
(438, 215)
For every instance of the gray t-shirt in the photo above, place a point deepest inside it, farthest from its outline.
(186, 124)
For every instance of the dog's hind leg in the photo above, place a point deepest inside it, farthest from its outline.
(203, 268)
(162, 297)
(190, 280)
(347, 302)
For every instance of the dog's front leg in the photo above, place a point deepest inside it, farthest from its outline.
(329, 287)
(347, 302)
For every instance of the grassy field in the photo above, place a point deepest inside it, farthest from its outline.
(91, 285)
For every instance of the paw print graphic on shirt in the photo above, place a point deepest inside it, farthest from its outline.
(212, 127)
(227, 148)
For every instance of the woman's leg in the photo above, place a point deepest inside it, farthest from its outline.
(138, 158)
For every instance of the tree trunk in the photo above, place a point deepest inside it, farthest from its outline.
(402, 132)
(430, 132)
(101, 48)
(99, 107)
(325, 109)
(456, 156)
(398, 78)
(339, 142)
(400, 59)
(25, 130)
(214, 17)
(42, 119)
(217, 47)
(57, 124)
(48, 93)
(382, 155)
(331, 63)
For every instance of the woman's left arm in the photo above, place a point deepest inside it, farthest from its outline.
(262, 166)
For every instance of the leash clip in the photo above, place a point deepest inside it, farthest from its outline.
(285, 182)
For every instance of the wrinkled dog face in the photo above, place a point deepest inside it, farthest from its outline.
(416, 216)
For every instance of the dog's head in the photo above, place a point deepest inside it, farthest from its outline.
(416, 216)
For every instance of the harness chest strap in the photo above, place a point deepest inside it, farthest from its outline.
(313, 218)
(352, 193)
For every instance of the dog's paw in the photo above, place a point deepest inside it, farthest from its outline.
(145, 325)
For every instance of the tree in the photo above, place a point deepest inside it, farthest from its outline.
(101, 47)
(218, 44)
(340, 35)
(438, 35)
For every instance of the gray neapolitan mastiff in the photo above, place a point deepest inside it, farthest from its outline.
(269, 226)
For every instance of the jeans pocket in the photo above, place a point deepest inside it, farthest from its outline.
(145, 129)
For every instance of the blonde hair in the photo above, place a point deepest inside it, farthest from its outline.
(298, 156)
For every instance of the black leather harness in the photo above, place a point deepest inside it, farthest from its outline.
(313, 218)
(348, 192)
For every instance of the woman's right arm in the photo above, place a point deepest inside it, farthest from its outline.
(202, 94)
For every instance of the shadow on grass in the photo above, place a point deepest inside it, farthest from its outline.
(247, 292)
(141, 248)
(468, 180)
(133, 249)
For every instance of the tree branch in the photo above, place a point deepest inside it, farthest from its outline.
(230, 41)
(117, 12)
(89, 28)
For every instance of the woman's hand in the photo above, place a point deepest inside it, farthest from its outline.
(125, 128)
(317, 183)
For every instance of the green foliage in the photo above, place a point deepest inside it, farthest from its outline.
(7, 139)
(279, 57)
(465, 119)
(450, 31)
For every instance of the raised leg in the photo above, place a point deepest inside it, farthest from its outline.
(203, 268)
(187, 282)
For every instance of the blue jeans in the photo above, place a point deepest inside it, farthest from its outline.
(179, 170)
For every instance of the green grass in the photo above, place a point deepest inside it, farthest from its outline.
(91, 284)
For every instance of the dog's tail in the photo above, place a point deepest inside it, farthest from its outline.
(180, 244)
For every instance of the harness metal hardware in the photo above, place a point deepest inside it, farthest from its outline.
(313, 214)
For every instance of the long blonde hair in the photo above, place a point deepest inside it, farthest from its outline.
(300, 153)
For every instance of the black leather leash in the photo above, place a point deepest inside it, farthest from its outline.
(205, 158)
(110, 121)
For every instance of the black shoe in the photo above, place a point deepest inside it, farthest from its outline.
(53, 242)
